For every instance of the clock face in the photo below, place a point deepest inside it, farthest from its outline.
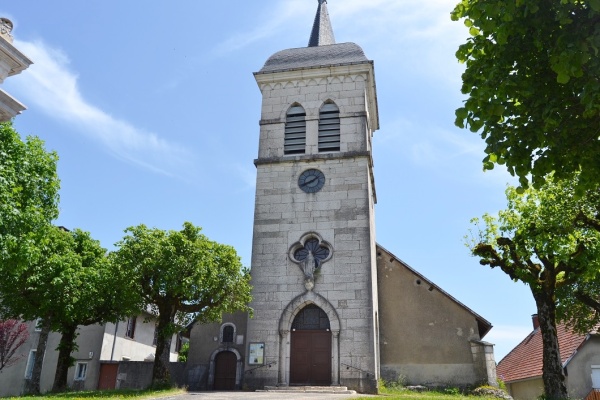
(311, 180)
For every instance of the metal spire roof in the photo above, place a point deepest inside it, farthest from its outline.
(322, 32)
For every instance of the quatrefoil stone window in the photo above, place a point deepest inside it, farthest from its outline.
(310, 253)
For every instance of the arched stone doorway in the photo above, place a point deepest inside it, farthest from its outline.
(286, 323)
(310, 348)
(225, 370)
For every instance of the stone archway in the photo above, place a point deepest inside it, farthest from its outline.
(238, 367)
(285, 325)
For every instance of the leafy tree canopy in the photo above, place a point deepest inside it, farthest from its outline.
(29, 185)
(64, 278)
(183, 277)
(94, 291)
(531, 77)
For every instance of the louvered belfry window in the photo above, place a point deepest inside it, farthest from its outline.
(329, 128)
(295, 131)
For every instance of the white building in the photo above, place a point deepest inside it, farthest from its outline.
(100, 350)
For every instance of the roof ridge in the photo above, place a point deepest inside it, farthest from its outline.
(322, 32)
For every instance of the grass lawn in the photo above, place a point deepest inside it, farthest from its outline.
(401, 394)
(107, 394)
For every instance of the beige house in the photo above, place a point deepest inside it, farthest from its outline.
(521, 369)
(332, 308)
(100, 349)
(12, 62)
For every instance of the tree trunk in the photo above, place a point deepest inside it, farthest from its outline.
(65, 348)
(161, 376)
(552, 371)
(32, 386)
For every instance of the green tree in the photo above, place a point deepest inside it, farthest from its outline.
(183, 277)
(65, 279)
(29, 184)
(531, 77)
(540, 241)
(29, 188)
(94, 291)
(183, 352)
(34, 275)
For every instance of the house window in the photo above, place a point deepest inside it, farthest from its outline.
(130, 327)
(329, 128)
(295, 131)
(80, 371)
(30, 362)
(227, 333)
(596, 376)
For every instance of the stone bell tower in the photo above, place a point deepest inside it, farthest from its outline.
(313, 254)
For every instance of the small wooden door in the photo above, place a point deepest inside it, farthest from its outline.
(225, 371)
(310, 358)
(108, 376)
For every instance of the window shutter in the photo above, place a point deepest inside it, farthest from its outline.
(329, 128)
(295, 131)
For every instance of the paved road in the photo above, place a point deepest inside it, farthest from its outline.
(264, 396)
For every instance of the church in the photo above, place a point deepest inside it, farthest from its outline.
(331, 307)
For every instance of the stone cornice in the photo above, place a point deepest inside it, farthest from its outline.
(12, 61)
(312, 157)
(9, 107)
(305, 74)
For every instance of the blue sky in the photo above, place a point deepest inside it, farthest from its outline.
(153, 110)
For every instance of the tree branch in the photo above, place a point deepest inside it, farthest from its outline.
(588, 300)
(593, 223)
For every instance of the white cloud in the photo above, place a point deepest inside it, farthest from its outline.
(50, 86)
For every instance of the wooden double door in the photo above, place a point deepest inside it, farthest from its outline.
(310, 357)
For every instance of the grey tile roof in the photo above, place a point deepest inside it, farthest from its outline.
(313, 57)
(322, 32)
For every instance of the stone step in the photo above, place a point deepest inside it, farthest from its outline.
(308, 389)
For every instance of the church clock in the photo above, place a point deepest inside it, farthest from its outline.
(311, 180)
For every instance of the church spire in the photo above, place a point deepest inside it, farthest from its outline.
(322, 32)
